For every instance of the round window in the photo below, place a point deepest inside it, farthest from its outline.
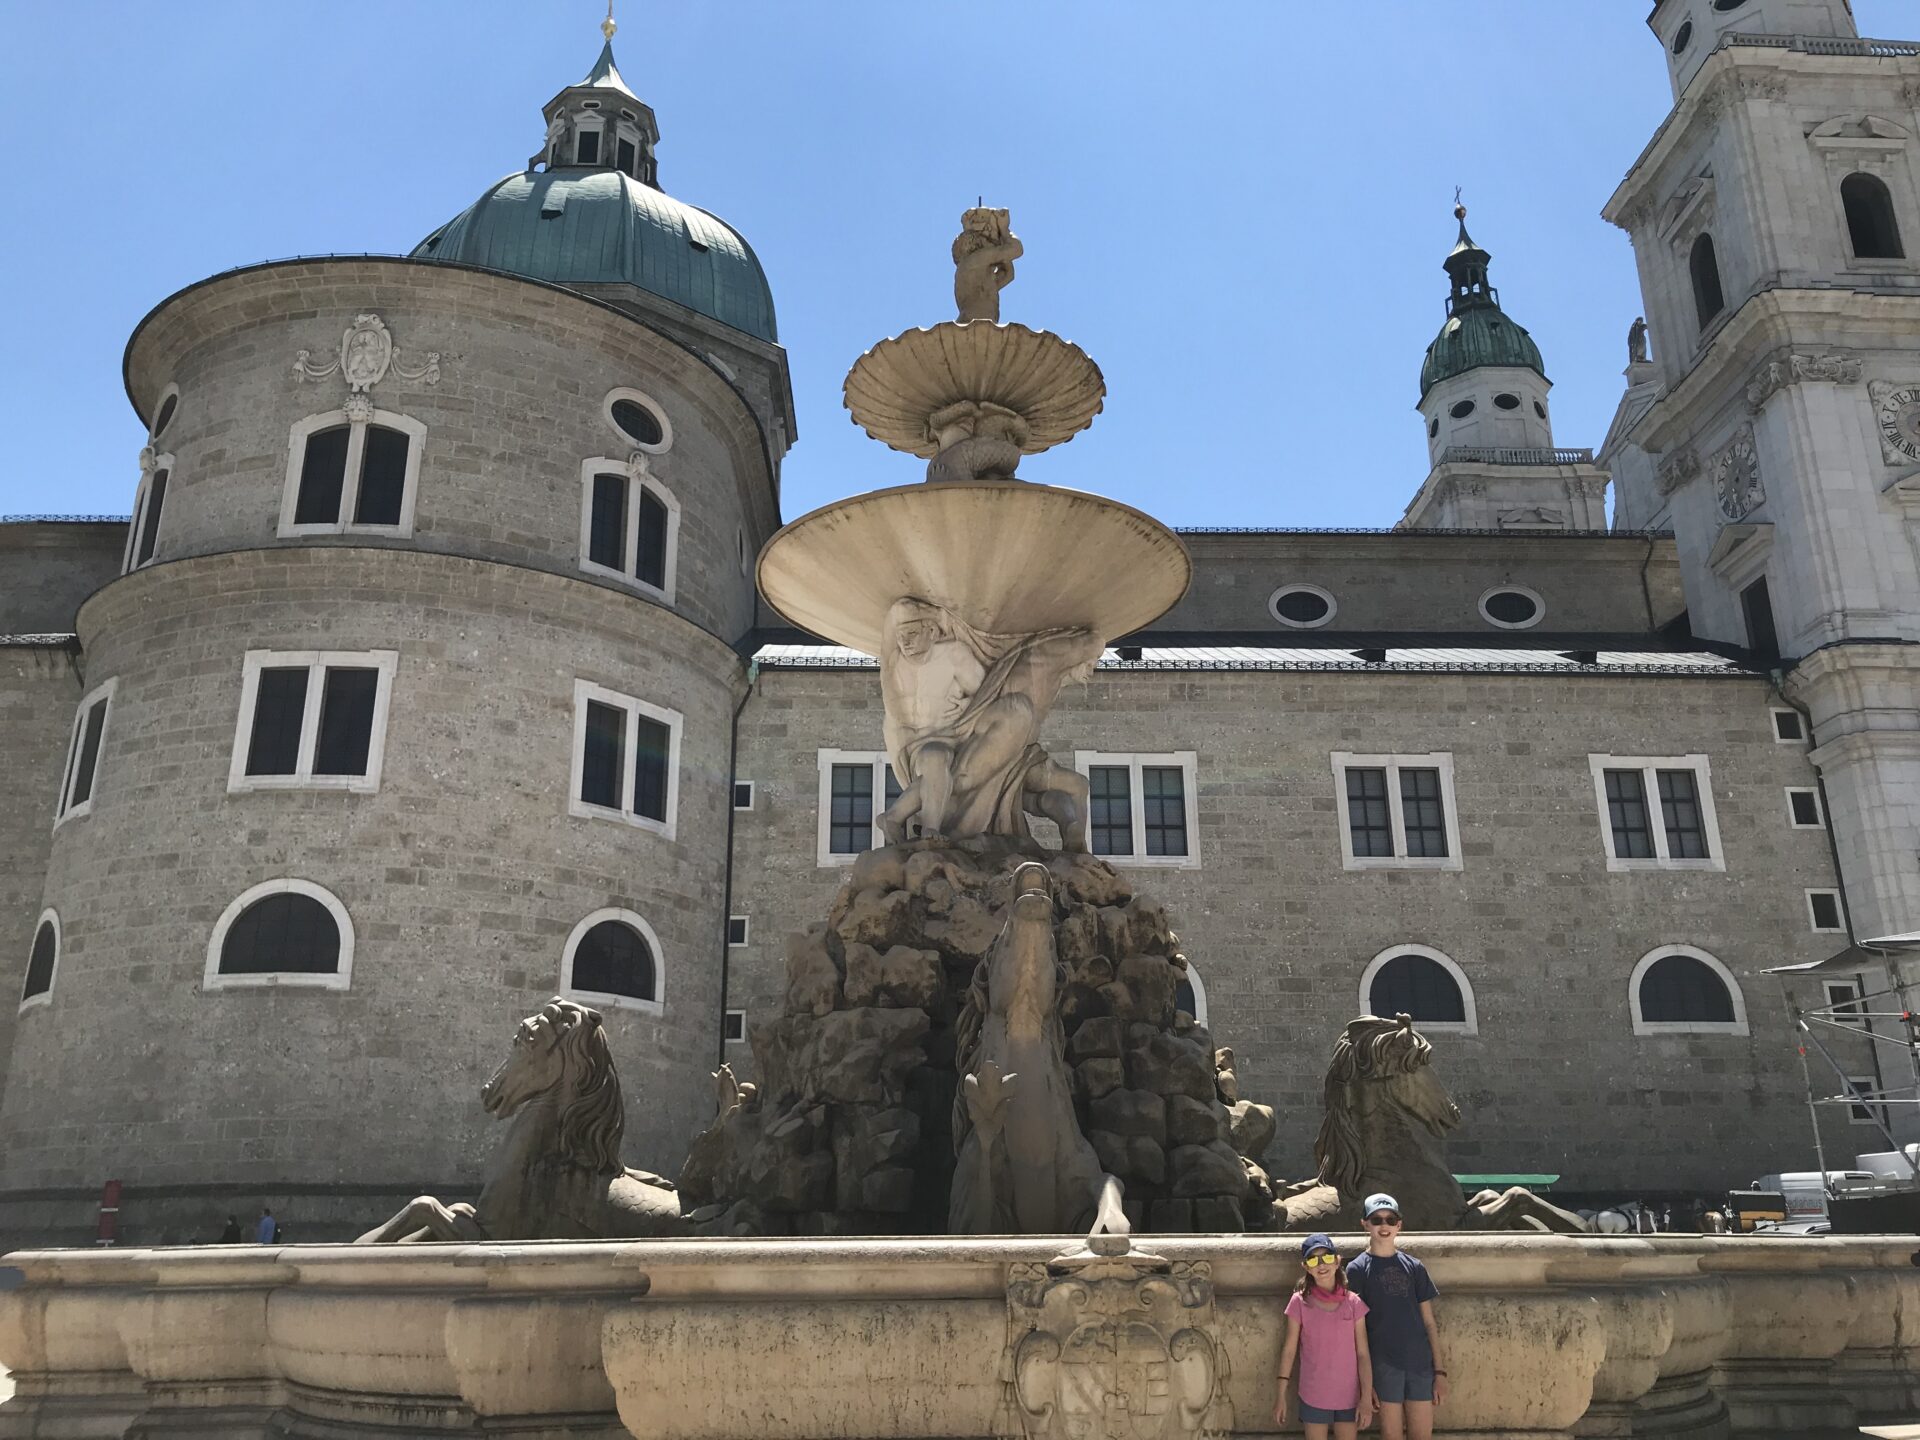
(1539, 409)
(638, 422)
(1462, 410)
(1682, 38)
(1305, 607)
(1512, 607)
(164, 416)
(1507, 402)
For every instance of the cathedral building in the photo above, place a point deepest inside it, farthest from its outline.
(427, 678)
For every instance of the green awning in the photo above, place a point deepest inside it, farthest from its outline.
(1501, 1182)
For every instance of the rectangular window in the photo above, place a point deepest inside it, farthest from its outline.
(626, 759)
(323, 477)
(628, 527)
(1803, 808)
(346, 476)
(1865, 1112)
(850, 783)
(1823, 910)
(1788, 728)
(733, 1026)
(383, 478)
(1843, 998)
(587, 147)
(743, 794)
(739, 927)
(607, 522)
(83, 753)
(650, 549)
(312, 719)
(1142, 809)
(628, 153)
(1396, 811)
(1682, 835)
(1757, 606)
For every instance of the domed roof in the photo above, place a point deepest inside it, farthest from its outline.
(581, 225)
(1476, 336)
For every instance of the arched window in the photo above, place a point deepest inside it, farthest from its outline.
(1704, 265)
(1419, 981)
(352, 475)
(629, 526)
(283, 932)
(1871, 223)
(42, 961)
(1680, 990)
(1190, 995)
(613, 958)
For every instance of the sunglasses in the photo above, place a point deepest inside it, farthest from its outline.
(1383, 1219)
(1314, 1262)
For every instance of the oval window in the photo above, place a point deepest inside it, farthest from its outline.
(1507, 402)
(638, 422)
(1682, 38)
(1539, 409)
(1512, 607)
(164, 417)
(1305, 607)
(1723, 6)
(1462, 410)
(1434, 428)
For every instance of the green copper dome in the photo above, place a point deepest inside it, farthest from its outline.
(1478, 333)
(599, 226)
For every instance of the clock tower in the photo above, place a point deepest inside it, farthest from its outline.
(1775, 220)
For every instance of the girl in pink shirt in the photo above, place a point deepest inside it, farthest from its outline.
(1327, 1329)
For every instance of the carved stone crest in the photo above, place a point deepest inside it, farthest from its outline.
(1835, 368)
(1113, 1344)
(1677, 469)
(1736, 476)
(367, 353)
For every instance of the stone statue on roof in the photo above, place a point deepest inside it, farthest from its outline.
(1637, 342)
(983, 256)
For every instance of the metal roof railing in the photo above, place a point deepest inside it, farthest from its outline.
(65, 519)
(1825, 45)
(1483, 455)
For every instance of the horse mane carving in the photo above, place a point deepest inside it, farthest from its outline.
(594, 1118)
(1370, 1048)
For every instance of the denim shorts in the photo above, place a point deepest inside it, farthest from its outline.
(1314, 1415)
(1394, 1386)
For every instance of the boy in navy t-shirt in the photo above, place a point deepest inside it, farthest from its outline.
(1409, 1375)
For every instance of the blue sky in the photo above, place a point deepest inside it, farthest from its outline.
(1238, 209)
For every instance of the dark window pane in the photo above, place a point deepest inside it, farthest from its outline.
(1806, 807)
(1302, 607)
(40, 962)
(627, 155)
(1826, 910)
(1870, 218)
(1185, 999)
(613, 959)
(1423, 812)
(650, 555)
(89, 756)
(893, 787)
(1627, 814)
(1511, 607)
(323, 474)
(278, 705)
(346, 722)
(282, 934)
(1163, 790)
(733, 1025)
(639, 423)
(1704, 264)
(1678, 989)
(383, 477)
(1367, 819)
(1680, 811)
(1757, 605)
(1864, 1087)
(1417, 985)
(1110, 796)
(150, 522)
(165, 417)
(588, 151)
(650, 739)
(850, 809)
(600, 762)
(1786, 725)
(607, 522)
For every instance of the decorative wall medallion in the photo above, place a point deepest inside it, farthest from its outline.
(1115, 1346)
(1896, 411)
(1835, 368)
(367, 353)
(1736, 476)
(639, 465)
(1677, 469)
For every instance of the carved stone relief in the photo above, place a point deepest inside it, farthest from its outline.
(1835, 368)
(367, 354)
(1736, 476)
(1677, 469)
(1112, 1344)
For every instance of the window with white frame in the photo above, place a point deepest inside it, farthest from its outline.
(629, 526)
(856, 786)
(1190, 995)
(43, 961)
(1397, 811)
(1419, 981)
(743, 794)
(739, 931)
(613, 958)
(1681, 990)
(1142, 809)
(281, 932)
(1656, 813)
(586, 142)
(352, 475)
(1803, 808)
(1824, 912)
(78, 781)
(149, 501)
(312, 720)
(1864, 1111)
(626, 759)
(1843, 998)
(733, 1027)
(1788, 727)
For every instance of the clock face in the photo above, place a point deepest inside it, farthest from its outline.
(1899, 417)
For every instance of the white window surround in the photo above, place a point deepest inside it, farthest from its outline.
(1840, 993)
(52, 917)
(739, 1039)
(1333, 606)
(585, 690)
(638, 397)
(590, 124)
(825, 761)
(1539, 607)
(340, 979)
(1393, 764)
(746, 932)
(1799, 721)
(655, 1006)
(1187, 762)
(1647, 765)
(1199, 995)
(416, 434)
(1792, 821)
(1813, 920)
(169, 392)
(1469, 1026)
(64, 810)
(752, 794)
(637, 480)
(316, 662)
(1641, 1026)
(1863, 1085)
(162, 465)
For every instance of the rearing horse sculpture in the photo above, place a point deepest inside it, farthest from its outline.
(1024, 1168)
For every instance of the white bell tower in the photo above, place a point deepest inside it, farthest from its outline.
(1692, 30)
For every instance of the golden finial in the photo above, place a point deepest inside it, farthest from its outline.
(607, 27)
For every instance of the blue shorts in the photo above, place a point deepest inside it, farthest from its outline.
(1314, 1415)
(1394, 1386)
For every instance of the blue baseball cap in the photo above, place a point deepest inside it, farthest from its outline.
(1378, 1202)
(1316, 1241)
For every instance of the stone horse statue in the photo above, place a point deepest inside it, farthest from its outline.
(1024, 1168)
(558, 1174)
(1386, 1118)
